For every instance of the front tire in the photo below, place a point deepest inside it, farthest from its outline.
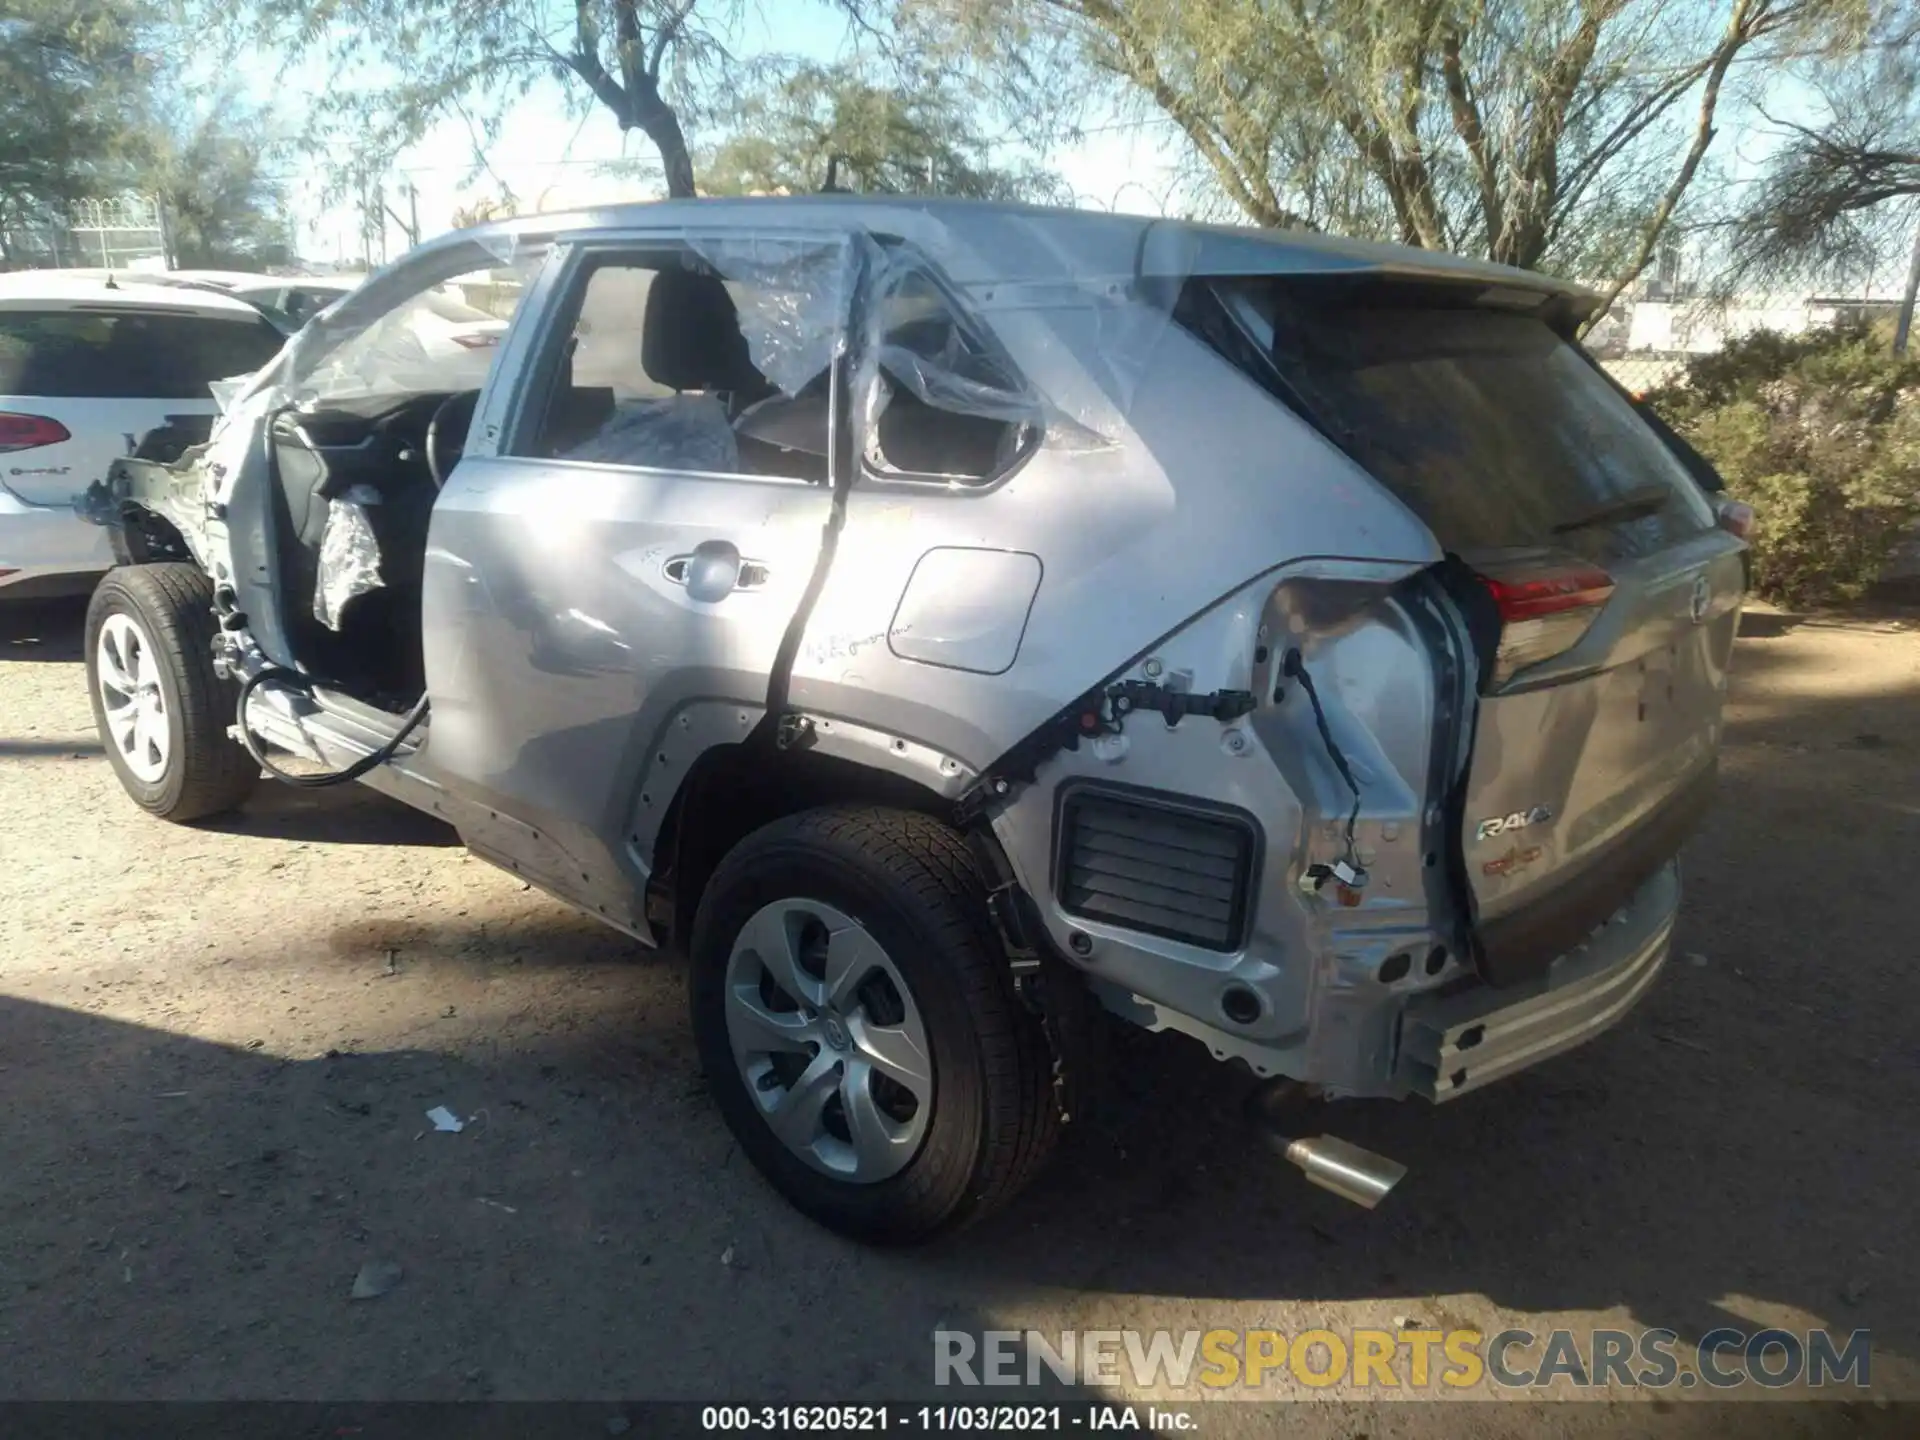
(160, 710)
(857, 1022)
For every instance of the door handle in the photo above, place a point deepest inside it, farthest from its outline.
(714, 571)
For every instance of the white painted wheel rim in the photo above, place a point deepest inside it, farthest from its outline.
(128, 674)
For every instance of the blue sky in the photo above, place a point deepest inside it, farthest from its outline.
(550, 159)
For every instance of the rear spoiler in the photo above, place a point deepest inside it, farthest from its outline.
(1171, 251)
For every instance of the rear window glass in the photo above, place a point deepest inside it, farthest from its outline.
(127, 354)
(1494, 430)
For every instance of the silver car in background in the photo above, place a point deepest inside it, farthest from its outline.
(955, 624)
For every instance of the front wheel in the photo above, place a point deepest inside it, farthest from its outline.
(857, 1023)
(161, 711)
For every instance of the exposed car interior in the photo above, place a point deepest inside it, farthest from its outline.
(680, 390)
(657, 372)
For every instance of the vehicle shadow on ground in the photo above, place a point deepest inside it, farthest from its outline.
(181, 1219)
(551, 935)
(49, 630)
(51, 750)
(347, 814)
(186, 1220)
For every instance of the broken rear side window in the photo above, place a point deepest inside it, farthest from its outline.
(675, 362)
(946, 408)
(1497, 432)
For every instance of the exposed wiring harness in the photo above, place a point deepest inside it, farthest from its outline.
(295, 680)
(1294, 668)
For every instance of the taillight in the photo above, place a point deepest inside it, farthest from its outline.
(29, 432)
(1736, 517)
(476, 342)
(1546, 603)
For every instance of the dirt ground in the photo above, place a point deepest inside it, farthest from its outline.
(218, 1045)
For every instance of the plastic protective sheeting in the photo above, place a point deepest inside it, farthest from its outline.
(1102, 327)
(410, 350)
(926, 341)
(925, 345)
(396, 335)
(683, 432)
(226, 391)
(349, 555)
(509, 247)
(792, 296)
(1051, 319)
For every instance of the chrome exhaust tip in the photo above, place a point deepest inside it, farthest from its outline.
(1348, 1170)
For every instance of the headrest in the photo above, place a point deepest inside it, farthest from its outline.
(692, 339)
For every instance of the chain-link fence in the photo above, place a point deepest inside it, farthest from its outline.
(1641, 373)
(125, 233)
(117, 233)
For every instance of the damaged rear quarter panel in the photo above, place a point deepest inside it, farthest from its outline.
(178, 493)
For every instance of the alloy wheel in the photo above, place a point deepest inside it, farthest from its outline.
(128, 673)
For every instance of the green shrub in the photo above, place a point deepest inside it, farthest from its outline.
(1820, 433)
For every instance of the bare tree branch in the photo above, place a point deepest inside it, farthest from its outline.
(1736, 35)
(665, 33)
(1467, 123)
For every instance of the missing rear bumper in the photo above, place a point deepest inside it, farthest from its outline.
(1450, 1044)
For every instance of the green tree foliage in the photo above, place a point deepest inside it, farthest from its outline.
(73, 86)
(401, 66)
(1820, 433)
(914, 138)
(208, 164)
(1560, 134)
(92, 106)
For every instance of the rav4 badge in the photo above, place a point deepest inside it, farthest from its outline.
(1507, 824)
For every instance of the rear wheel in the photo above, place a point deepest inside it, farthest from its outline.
(161, 711)
(857, 1023)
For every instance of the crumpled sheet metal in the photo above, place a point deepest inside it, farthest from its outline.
(349, 555)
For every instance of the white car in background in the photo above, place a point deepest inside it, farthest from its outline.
(87, 368)
(292, 302)
(289, 301)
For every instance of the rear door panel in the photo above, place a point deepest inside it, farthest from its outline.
(562, 638)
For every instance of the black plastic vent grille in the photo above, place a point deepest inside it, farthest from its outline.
(1155, 868)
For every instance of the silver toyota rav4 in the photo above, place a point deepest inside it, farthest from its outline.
(950, 622)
